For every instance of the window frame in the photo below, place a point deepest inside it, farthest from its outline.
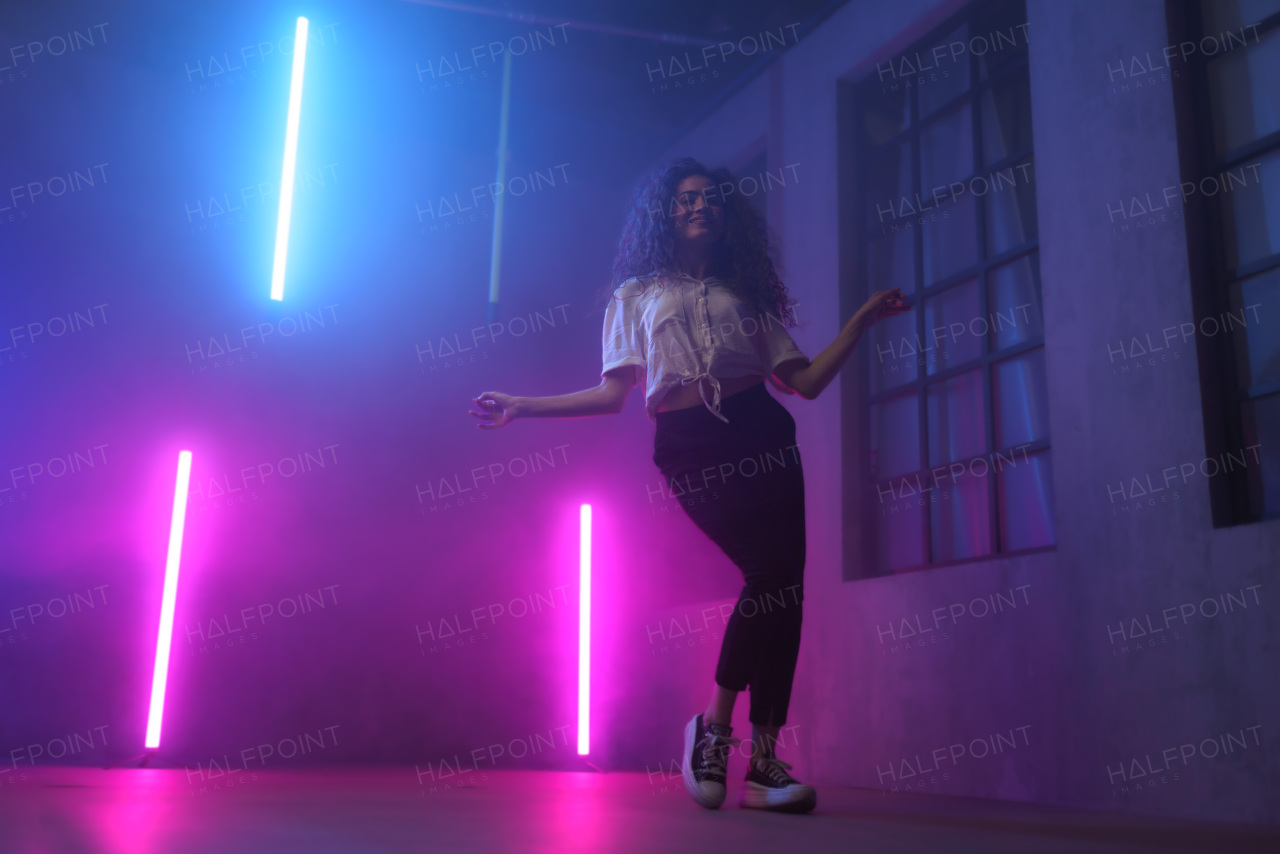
(1234, 496)
(858, 490)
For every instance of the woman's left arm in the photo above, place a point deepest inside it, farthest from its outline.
(808, 380)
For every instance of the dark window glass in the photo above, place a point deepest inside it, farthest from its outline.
(1026, 500)
(949, 322)
(1006, 118)
(1010, 195)
(1013, 300)
(1021, 405)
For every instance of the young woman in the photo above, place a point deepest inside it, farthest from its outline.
(697, 313)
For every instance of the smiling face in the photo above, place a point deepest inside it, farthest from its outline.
(698, 211)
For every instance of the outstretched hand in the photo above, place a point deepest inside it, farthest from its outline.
(496, 410)
(883, 304)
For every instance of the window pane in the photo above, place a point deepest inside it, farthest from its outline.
(1258, 344)
(897, 349)
(1006, 118)
(957, 424)
(950, 241)
(1242, 87)
(1000, 37)
(948, 324)
(1013, 301)
(946, 151)
(1010, 195)
(944, 73)
(1026, 501)
(1260, 419)
(1223, 15)
(1251, 210)
(895, 437)
(899, 543)
(889, 260)
(960, 524)
(886, 108)
(1021, 403)
(888, 182)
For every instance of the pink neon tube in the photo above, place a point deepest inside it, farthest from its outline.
(584, 631)
(168, 600)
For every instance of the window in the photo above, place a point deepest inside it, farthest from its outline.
(947, 454)
(1229, 130)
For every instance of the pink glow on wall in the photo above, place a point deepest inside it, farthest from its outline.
(584, 630)
(168, 600)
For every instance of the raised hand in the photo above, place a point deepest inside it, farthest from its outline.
(883, 304)
(496, 410)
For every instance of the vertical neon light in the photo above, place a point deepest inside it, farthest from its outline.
(500, 200)
(290, 158)
(584, 630)
(160, 676)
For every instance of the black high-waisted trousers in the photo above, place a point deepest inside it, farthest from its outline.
(742, 484)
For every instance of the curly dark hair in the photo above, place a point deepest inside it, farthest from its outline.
(741, 256)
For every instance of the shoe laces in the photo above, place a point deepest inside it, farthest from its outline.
(715, 751)
(774, 769)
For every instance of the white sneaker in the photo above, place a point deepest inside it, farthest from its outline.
(770, 787)
(706, 750)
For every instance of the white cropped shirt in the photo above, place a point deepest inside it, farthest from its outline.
(685, 331)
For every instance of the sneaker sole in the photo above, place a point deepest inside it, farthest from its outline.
(758, 797)
(690, 784)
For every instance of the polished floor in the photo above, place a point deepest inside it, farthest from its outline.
(51, 810)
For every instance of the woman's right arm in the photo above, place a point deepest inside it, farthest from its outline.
(498, 409)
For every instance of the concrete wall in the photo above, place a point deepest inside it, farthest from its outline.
(1057, 700)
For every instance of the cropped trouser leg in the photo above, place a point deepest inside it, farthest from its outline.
(743, 485)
